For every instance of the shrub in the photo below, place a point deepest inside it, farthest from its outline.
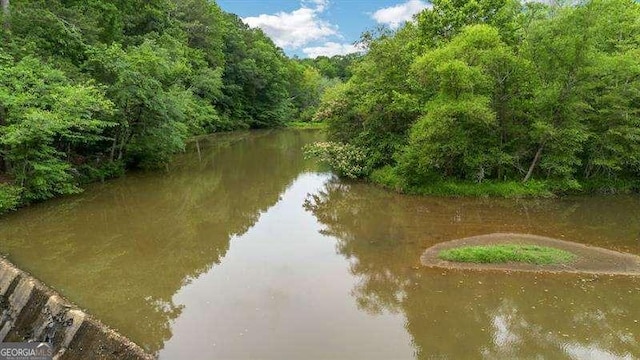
(10, 197)
(101, 171)
(347, 160)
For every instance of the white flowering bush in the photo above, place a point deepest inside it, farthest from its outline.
(345, 159)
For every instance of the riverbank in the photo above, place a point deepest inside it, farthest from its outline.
(387, 178)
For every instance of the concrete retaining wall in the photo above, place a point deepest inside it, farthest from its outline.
(30, 311)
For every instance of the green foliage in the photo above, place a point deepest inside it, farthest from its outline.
(337, 109)
(199, 21)
(388, 177)
(504, 253)
(446, 18)
(347, 160)
(497, 91)
(460, 136)
(10, 198)
(46, 119)
(310, 80)
(451, 141)
(255, 78)
(373, 110)
(335, 67)
(306, 87)
(609, 186)
(100, 171)
(143, 81)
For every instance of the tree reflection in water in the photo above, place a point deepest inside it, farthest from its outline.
(456, 314)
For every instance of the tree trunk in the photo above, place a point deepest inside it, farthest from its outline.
(4, 164)
(5, 12)
(533, 163)
(113, 148)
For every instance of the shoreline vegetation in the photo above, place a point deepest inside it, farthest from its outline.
(504, 98)
(349, 162)
(385, 177)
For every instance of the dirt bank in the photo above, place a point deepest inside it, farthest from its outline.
(590, 260)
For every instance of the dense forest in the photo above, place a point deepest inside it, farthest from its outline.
(91, 88)
(494, 97)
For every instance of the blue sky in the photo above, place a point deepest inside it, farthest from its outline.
(309, 28)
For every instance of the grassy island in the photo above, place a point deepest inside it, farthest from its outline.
(504, 253)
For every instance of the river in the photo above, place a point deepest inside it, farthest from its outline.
(245, 250)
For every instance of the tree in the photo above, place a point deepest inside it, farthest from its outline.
(144, 83)
(612, 90)
(202, 21)
(306, 86)
(446, 18)
(460, 134)
(255, 81)
(376, 102)
(499, 90)
(47, 119)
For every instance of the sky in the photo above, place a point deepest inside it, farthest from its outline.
(311, 28)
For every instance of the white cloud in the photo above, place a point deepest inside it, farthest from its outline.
(394, 16)
(320, 5)
(297, 28)
(330, 49)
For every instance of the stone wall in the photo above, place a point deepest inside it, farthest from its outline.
(32, 312)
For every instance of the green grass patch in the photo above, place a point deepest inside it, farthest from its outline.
(499, 254)
(306, 125)
(388, 178)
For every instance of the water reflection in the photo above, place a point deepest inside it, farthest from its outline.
(486, 315)
(124, 248)
(282, 293)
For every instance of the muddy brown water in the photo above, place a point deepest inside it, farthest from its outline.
(244, 250)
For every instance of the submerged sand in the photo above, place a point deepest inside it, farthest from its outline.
(590, 259)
